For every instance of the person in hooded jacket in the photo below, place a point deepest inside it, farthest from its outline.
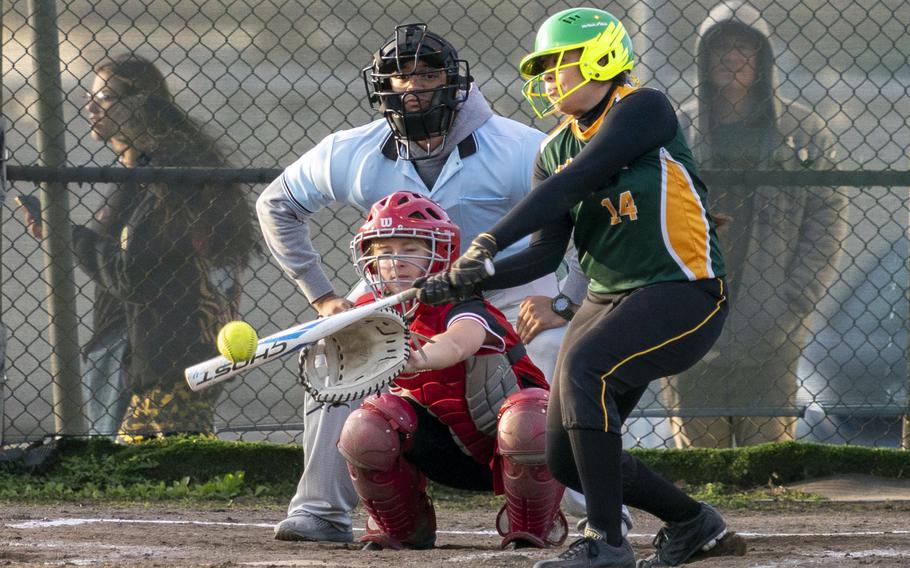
(781, 243)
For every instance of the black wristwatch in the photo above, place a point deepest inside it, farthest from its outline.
(562, 306)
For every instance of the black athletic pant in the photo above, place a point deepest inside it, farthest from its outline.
(436, 454)
(613, 348)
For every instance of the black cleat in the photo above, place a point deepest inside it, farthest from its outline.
(678, 542)
(591, 551)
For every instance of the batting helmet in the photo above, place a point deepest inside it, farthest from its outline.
(606, 51)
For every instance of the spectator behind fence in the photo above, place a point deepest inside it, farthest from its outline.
(106, 352)
(781, 244)
(176, 266)
(167, 256)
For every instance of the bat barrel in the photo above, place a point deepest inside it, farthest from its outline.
(219, 369)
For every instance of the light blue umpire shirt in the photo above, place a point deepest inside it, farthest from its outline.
(484, 177)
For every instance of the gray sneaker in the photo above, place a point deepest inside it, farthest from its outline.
(677, 542)
(301, 525)
(591, 551)
(626, 522)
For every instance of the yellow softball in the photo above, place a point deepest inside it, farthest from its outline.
(237, 341)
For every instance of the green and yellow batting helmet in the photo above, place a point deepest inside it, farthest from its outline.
(606, 51)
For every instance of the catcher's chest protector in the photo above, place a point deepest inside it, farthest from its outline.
(466, 397)
(442, 393)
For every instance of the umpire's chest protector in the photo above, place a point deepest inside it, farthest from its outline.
(486, 175)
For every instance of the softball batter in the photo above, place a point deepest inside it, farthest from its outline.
(618, 172)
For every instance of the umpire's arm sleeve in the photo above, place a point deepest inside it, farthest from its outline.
(287, 234)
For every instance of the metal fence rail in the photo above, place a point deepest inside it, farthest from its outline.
(268, 80)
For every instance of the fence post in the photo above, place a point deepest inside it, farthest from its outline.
(58, 260)
(905, 420)
(2, 311)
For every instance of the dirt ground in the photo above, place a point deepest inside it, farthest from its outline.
(828, 535)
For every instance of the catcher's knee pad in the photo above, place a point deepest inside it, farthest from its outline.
(378, 432)
(392, 490)
(531, 512)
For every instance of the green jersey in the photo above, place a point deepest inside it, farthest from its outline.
(648, 223)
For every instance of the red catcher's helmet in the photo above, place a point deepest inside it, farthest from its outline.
(405, 214)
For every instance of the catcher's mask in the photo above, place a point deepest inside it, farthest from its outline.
(404, 214)
(399, 57)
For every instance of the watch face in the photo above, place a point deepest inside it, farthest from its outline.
(560, 304)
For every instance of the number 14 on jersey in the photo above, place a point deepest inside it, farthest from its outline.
(626, 207)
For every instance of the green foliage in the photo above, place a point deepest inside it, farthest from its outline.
(201, 457)
(727, 496)
(221, 488)
(778, 463)
(204, 468)
(173, 468)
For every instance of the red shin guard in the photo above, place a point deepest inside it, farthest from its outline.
(391, 489)
(531, 513)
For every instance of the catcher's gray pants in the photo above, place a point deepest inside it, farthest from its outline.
(325, 488)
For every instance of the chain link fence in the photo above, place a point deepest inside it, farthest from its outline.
(823, 358)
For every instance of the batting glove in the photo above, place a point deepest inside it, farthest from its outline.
(475, 265)
(435, 290)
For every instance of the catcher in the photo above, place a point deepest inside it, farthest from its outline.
(469, 409)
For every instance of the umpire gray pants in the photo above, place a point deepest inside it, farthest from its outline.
(325, 488)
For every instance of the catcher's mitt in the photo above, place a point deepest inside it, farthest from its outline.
(356, 361)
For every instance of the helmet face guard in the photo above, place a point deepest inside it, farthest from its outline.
(606, 51)
(535, 91)
(404, 214)
(399, 57)
(368, 261)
